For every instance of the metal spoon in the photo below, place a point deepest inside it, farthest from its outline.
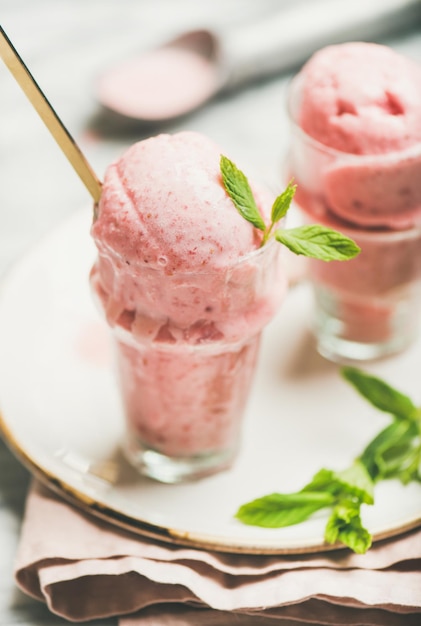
(205, 63)
(50, 118)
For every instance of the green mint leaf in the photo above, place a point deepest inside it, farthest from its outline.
(401, 462)
(380, 394)
(392, 451)
(278, 510)
(345, 526)
(238, 189)
(318, 242)
(374, 450)
(322, 481)
(282, 203)
(411, 471)
(356, 482)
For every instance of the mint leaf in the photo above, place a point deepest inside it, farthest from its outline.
(282, 203)
(318, 242)
(373, 452)
(238, 189)
(321, 481)
(345, 526)
(411, 470)
(396, 450)
(356, 482)
(380, 394)
(401, 462)
(278, 510)
(390, 453)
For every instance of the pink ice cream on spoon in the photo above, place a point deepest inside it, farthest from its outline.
(187, 291)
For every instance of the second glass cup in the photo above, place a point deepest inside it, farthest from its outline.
(369, 307)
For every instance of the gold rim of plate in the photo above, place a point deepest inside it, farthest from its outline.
(141, 527)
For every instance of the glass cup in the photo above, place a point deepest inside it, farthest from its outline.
(186, 354)
(368, 307)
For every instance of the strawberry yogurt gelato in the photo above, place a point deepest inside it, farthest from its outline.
(187, 290)
(356, 158)
(362, 101)
(361, 98)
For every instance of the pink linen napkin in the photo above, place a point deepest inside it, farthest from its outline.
(84, 569)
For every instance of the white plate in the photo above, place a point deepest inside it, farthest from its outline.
(61, 414)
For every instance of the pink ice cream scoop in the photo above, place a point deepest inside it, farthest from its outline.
(187, 291)
(164, 213)
(364, 99)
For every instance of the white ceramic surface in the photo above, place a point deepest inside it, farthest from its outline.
(61, 413)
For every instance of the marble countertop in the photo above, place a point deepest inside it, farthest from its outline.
(66, 44)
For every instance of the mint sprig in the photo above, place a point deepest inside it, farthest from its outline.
(238, 188)
(318, 242)
(380, 394)
(394, 453)
(278, 510)
(345, 526)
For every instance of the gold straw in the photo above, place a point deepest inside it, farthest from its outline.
(50, 118)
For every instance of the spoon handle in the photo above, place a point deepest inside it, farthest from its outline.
(50, 118)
